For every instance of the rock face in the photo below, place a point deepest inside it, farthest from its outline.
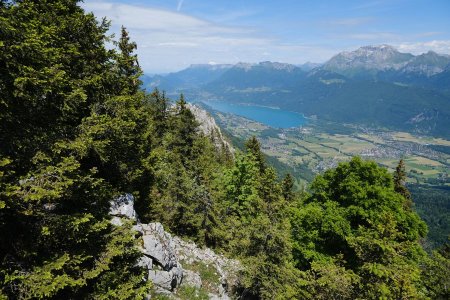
(387, 58)
(158, 254)
(369, 57)
(206, 261)
(162, 254)
(123, 206)
(210, 128)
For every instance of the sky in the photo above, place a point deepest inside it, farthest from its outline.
(173, 34)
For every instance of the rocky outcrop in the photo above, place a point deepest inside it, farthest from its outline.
(158, 255)
(204, 261)
(163, 255)
(209, 127)
(122, 207)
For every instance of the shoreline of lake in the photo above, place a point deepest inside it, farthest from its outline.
(270, 116)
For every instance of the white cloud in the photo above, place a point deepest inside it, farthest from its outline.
(171, 40)
(143, 18)
(439, 46)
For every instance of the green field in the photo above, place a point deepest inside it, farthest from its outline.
(316, 149)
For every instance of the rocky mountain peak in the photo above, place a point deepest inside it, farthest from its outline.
(210, 66)
(369, 57)
(278, 66)
(427, 64)
(267, 65)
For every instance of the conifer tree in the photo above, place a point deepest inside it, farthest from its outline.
(160, 113)
(63, 120)
(287, 187)
(400, 181)
(253, 147)
(127, 63)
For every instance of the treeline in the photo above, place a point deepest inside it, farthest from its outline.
(77, 130)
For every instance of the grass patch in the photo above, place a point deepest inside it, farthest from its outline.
(208, 273)
(190, 292)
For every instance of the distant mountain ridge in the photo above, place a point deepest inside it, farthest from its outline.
(369, 57)
(371, 86)
(195, 75)
(377, 60)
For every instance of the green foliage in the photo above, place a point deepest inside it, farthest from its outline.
(189, 292)
(127, 64)
(436, 273)
(77, 130)
(287, 187)
(400, 181)
(355, 224)
(433, 206)
(51, 73)
(258, 231)
(208, 274)
(71, 143)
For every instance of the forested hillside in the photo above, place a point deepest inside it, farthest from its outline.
(351, 88)
(77, 130)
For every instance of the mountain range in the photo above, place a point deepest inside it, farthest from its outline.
(371, 86)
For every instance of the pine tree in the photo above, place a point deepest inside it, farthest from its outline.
(51, 74)
(253, 147)
(399, 183)
(160, 113)
(128, 66)
(63, 122)
(258, 228)
(183, 129)
(287, 187)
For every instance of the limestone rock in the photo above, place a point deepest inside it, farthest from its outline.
(166, 280)
(157, 244)
(145, 262)
(226, 268)
(209, 127)
(162, 253)
(123, 206)
(191, 278)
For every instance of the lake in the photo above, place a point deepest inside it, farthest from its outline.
(272, 117)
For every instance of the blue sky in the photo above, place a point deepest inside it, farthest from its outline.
(172, 34)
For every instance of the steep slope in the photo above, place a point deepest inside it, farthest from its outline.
(334, 97)
(209, 128)
(367, 61)
(262, 77)
(385, 63)
(441, 81)
(427, 64)
(174, 265)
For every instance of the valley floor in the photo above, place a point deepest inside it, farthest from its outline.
(321, 146)
(312, 149)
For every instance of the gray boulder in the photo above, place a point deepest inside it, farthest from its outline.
(157, 244)
(123, 206)
(168, 280)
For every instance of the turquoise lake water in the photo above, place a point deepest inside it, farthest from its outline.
(272, 117)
